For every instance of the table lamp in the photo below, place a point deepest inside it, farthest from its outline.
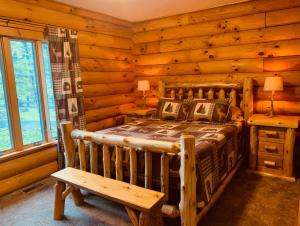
(273, 84)
(143, 85)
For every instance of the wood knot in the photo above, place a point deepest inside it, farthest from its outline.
(261, 53)
(206, 51)
(186, 156)
(176, 61)
(211, 56)
(180, 41)
(276, 46)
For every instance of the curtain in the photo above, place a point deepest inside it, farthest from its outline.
(67, 83)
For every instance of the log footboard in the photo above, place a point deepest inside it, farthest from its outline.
(88, 141)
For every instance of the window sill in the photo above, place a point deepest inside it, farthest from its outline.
(27, 151)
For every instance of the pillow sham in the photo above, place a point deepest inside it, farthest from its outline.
(209, 111)
(171, 109)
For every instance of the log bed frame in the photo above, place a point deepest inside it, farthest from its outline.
(188, 206)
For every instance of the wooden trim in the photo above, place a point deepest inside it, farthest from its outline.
(28, 151)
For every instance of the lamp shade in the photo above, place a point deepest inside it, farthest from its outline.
(143, 85)
(274, 83)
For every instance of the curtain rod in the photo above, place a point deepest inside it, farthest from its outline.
(29, 23)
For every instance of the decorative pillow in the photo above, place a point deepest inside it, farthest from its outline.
(171, 109)
(236, 114)
(209, 110)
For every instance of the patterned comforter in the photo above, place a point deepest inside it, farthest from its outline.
(218, 148)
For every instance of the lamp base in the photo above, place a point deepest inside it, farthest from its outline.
(271, 113)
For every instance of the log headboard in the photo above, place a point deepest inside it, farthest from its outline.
(240, 95)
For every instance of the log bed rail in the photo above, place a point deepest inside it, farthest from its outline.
(187, 209)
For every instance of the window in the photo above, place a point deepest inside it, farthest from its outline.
(27, 95)
(5, 137)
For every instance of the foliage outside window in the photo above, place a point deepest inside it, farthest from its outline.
(27, 107)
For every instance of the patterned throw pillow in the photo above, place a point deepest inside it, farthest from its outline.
(171, 109)
(209, 111)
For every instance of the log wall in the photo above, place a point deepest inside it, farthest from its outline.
(252, 39)
(105, 51)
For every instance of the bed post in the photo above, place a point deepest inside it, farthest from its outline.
(69, 146)
(248, 98)
(161, 89)
(187, 172)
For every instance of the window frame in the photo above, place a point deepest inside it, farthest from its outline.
(12, 99)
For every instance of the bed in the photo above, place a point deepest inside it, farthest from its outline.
(190, 162)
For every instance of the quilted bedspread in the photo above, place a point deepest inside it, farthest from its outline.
(218, 148)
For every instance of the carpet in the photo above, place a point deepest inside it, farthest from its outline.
(249, 200)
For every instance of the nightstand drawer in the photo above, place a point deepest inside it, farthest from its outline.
(271, 134)
(270, 148)
(270, 164)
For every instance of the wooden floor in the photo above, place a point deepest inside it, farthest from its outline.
(249, 200)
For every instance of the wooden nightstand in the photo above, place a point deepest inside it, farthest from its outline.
(272, 142)
(136, 113)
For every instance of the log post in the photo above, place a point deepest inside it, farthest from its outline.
(106, 161)
(82, 159)
(161, 89)
(248, 98)
(187, 174)
(288, 152)
(94, 157)
(164, 175)
(148, 169)
(253, 147)
(133, 166)
(119, 163)
(66, 129)
(59, 202)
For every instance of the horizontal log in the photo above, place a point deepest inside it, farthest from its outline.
(36, 14)
(223, 12)
(290, 78)
(107, 89)
(133, 142)
(21, 33)
(285, 16)
(23, 179)
(108, 112)
(280, 107)
(288, 94)
(284, 32)
(105, 123)
(20, 165)
(87, 64)
(214, 27)
(95, 52)
(94, 39)
(226, 66)
(269, 49)
(90, 78)
(57, 6)
(106, 101)
(291, 63)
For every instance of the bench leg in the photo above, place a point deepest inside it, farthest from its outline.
(152, 219)
(77, 196)
(59, 201)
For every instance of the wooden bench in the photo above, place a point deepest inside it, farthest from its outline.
(134, 198)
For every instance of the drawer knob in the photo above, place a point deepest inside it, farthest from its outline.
(270, 163)
(272, 133)
(271, 148)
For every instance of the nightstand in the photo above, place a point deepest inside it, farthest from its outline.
(136, 113)
(272, 142)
